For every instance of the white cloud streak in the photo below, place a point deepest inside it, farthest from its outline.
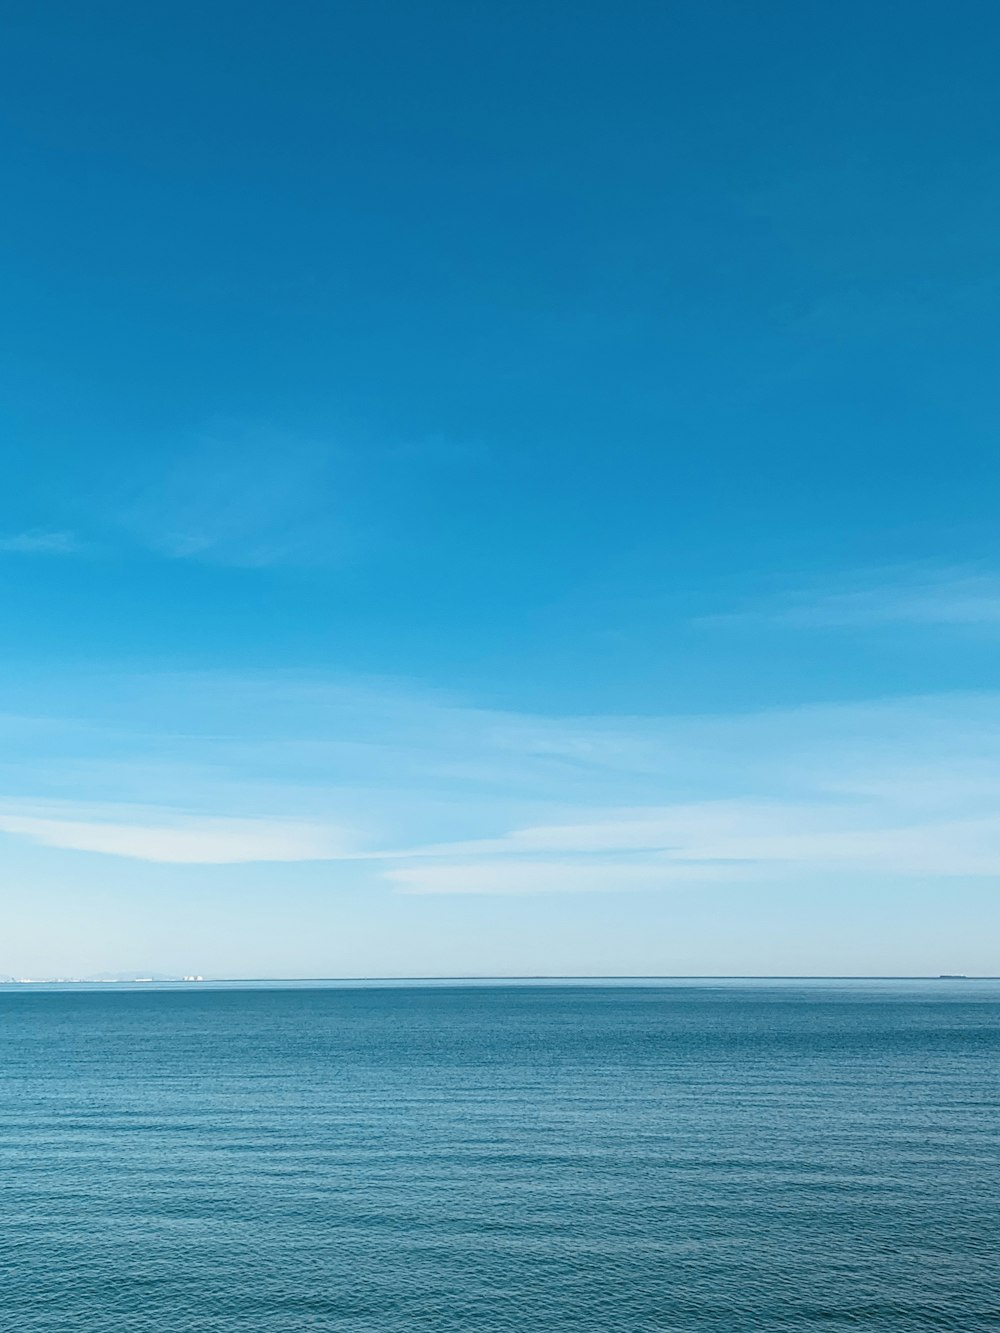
(438, 798)
(711, 841)
(176, 839)
(913, 596)
(518, 877)
(40, 541)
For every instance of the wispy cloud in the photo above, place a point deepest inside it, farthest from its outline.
(425, 795)
(518, 877)
(245, 495)
(726, 840)
(172, 837)
(244, 498)
(41, 541)
(911, 596)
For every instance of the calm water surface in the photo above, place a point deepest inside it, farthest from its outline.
(706, 1158)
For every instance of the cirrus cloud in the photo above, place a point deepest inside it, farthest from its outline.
(177, 838)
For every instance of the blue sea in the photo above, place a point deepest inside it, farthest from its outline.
(703, 1157)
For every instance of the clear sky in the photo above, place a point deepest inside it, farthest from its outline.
(500, 487)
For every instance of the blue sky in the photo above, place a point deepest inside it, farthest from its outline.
(500, 488)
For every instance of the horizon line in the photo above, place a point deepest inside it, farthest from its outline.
(521, 977)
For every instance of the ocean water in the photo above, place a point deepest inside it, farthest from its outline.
(700, 1157)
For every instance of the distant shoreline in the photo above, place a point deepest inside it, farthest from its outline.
(469, 980)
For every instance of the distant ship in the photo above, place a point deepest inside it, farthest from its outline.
(952, 976)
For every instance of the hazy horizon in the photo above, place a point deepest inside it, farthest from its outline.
(945, 987)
